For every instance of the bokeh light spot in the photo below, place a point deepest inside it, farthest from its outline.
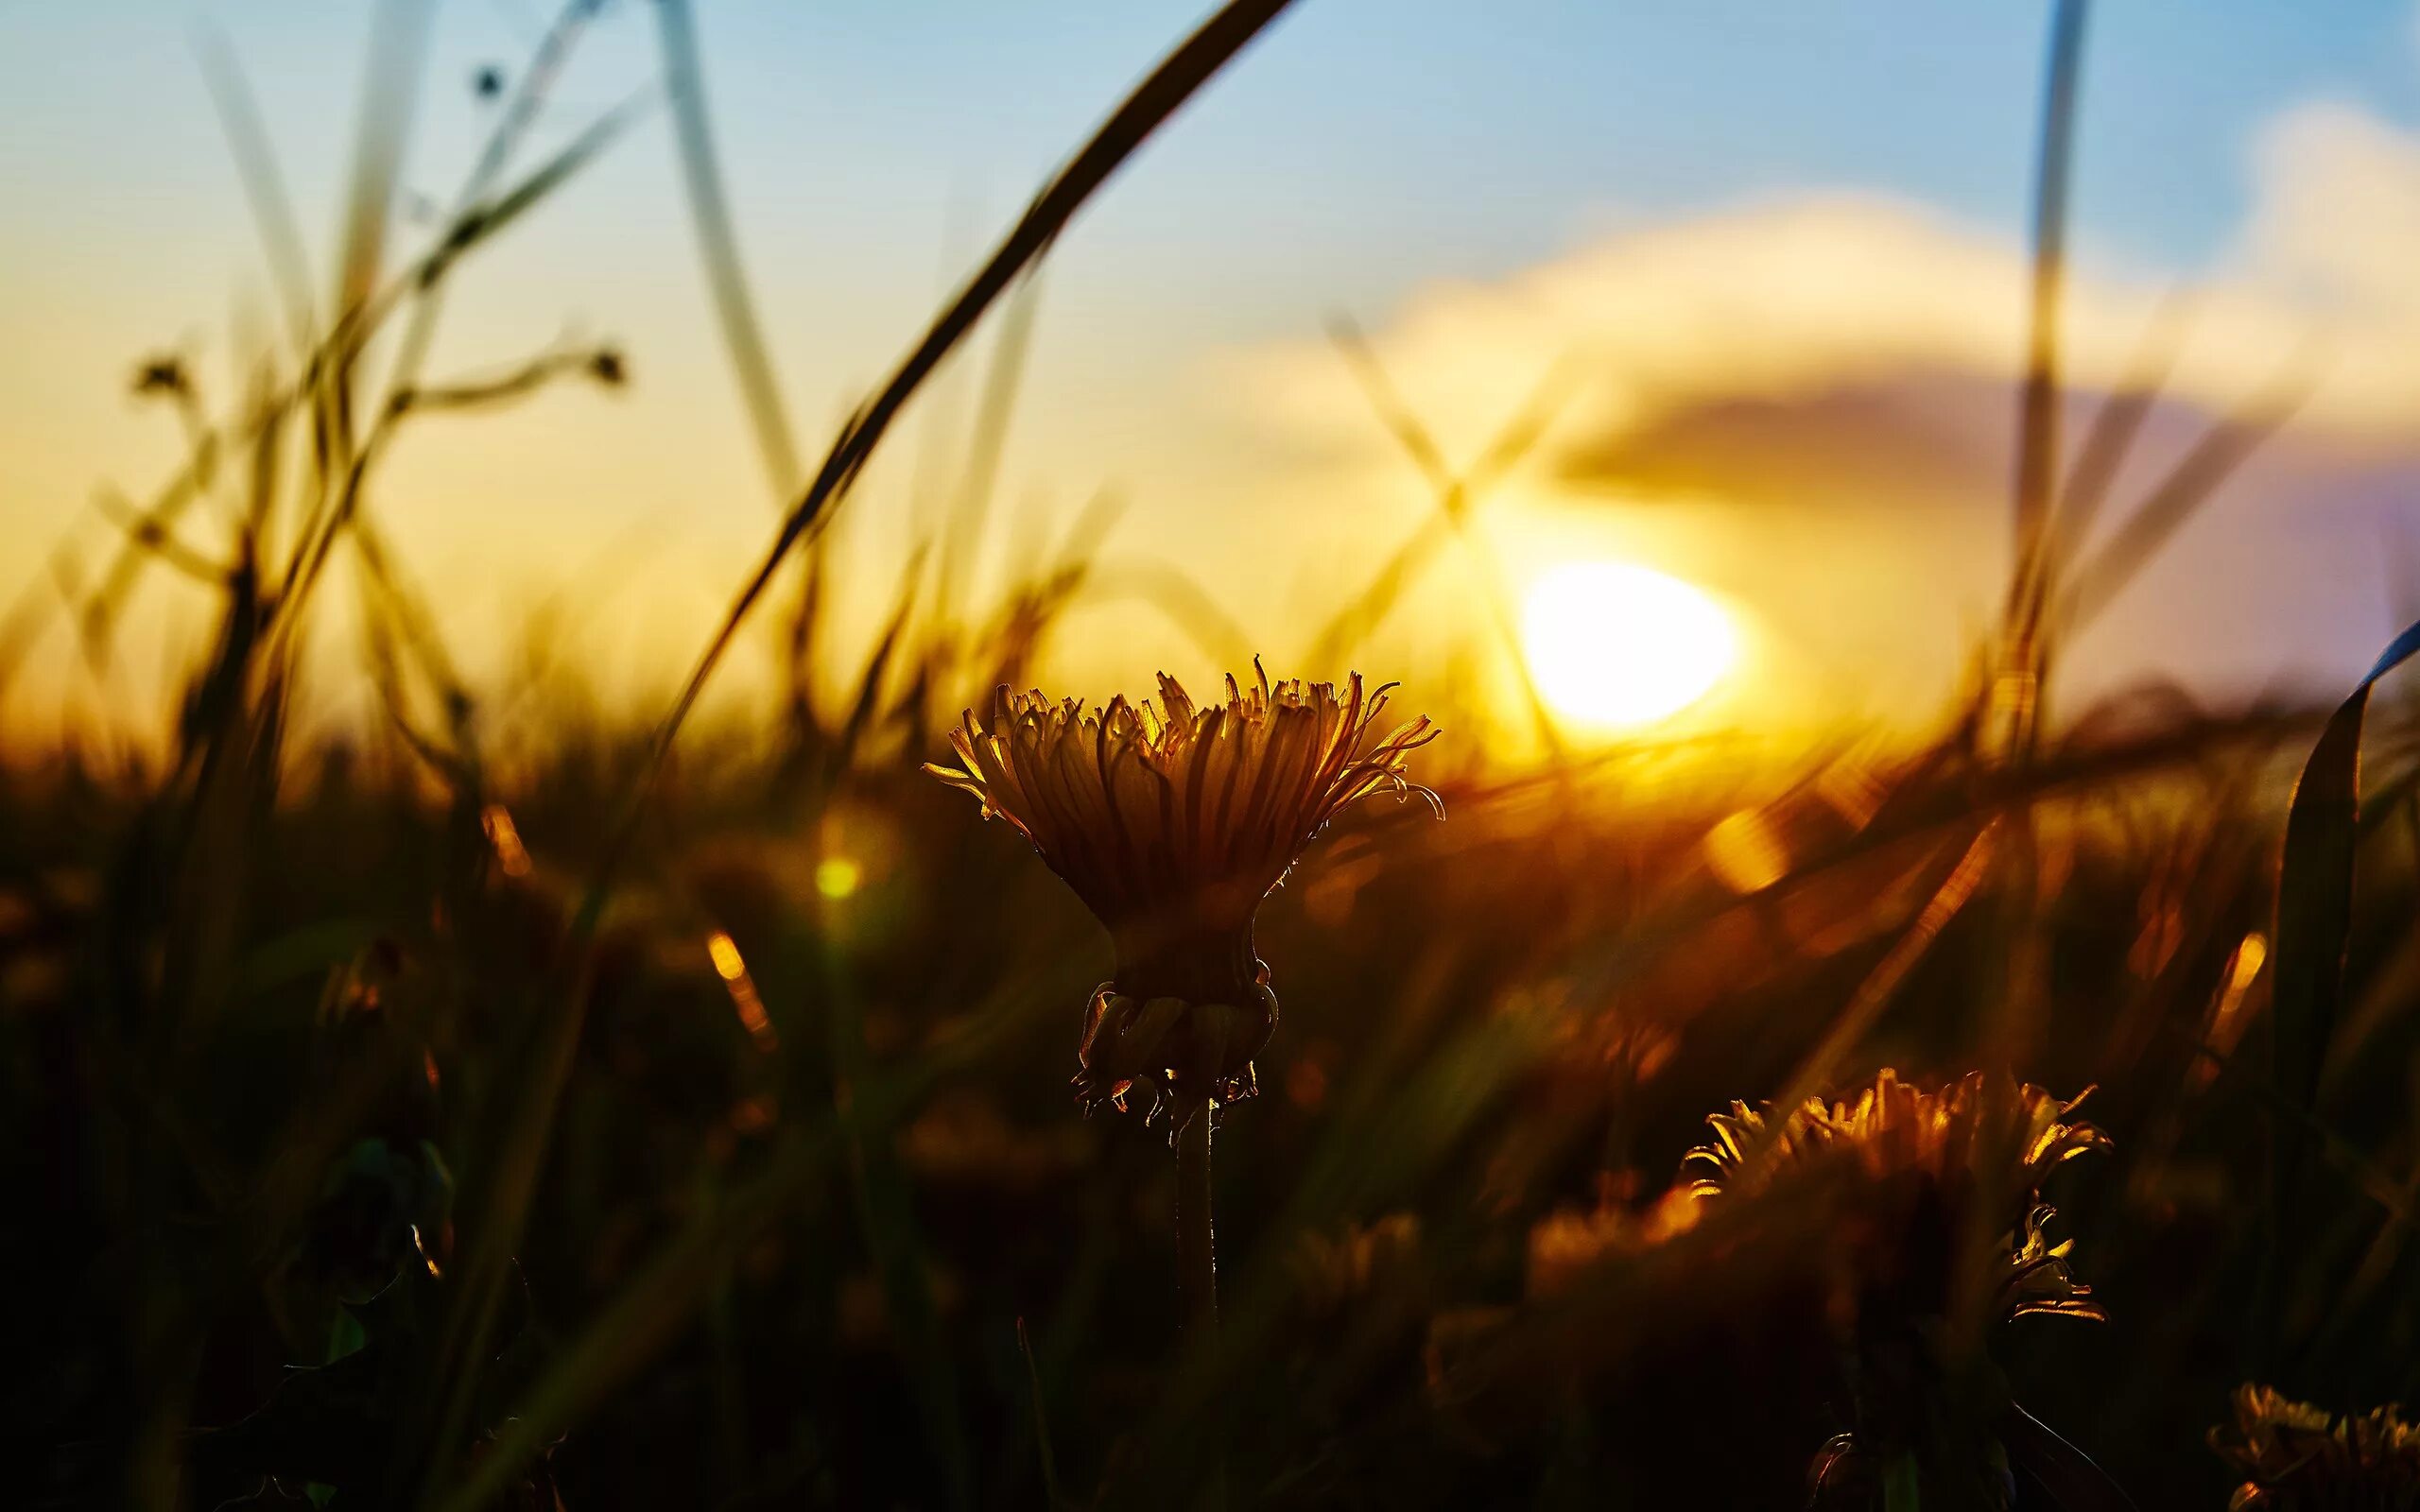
(837, 877)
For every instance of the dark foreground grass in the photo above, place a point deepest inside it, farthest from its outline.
(816, 1163)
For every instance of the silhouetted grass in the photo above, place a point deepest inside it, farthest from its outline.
(397, 1122)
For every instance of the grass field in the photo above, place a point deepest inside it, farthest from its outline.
(679, 1114)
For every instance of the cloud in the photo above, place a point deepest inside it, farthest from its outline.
(1825, 293)
(2339, 219)
(1814, 400)
(1926, 435)
(1828, 293)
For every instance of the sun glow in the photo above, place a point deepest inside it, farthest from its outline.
(1613, 645)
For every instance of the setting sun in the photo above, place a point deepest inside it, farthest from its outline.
(1615, 645)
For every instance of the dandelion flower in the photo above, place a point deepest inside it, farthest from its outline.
(2294, 1456)
(1968, 1138)
(1171, 824)
(1919, 1174)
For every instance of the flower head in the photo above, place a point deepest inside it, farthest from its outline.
(1941, 1149)
(1171, 824)
(1918, 1177)
(2293, 1455)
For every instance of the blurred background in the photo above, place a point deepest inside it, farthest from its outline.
(1882, 500)
(1778, 257)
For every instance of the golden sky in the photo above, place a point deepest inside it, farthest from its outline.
(1794, 387)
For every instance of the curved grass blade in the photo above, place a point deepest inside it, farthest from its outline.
(2314, 921)
(2066, 1473)
(1155, 99)
(1152, 102)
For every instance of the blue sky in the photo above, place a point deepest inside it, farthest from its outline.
(1364, 146)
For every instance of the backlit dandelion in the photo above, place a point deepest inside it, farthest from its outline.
(1968, 1137)
(1172, 823)
(1921, 1175)
(2296, 1457)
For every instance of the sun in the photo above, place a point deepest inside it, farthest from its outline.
(1613, 645)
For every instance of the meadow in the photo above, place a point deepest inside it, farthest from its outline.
(679, 1114)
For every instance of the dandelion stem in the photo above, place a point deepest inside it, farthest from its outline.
(1196, 1262)
(1198, 1277)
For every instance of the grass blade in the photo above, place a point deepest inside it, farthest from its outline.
(1456, 494)
(2065, 1472)
(485, 219)
(2314, 922)
(2189, 485)
(1152, 101)
(2111, 436)
(2015, 691)
(760, 392)
(281, 235)
(398, 53)
(962, 544)
(2037, 455)
(1155, 99)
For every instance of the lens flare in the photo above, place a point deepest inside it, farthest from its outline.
(1613, 645)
